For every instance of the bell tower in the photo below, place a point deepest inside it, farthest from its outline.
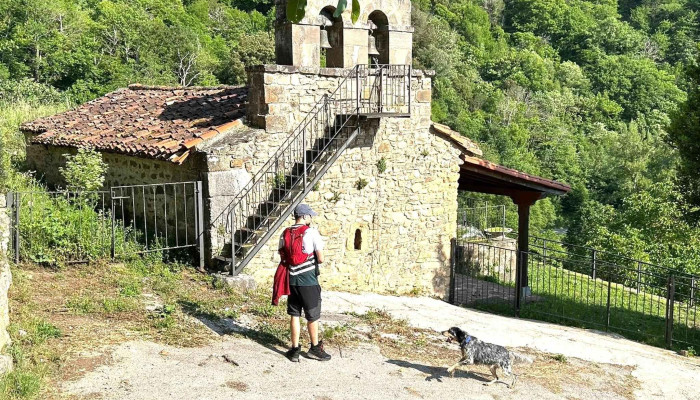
(382, 33)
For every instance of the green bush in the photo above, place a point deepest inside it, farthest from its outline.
(69, 226)
(84, 170)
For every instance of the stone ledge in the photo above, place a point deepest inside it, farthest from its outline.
(332, 72)
(241, 282)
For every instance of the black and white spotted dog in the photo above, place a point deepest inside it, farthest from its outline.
(474, 351)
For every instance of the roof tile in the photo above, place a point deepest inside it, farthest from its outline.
(150, 121)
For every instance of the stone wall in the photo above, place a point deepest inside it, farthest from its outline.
(279, 97)
(5, 281)
(150, 202)
(405, 215)
(122, 169)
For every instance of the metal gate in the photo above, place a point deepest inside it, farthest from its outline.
(70, 227)
(574, 285)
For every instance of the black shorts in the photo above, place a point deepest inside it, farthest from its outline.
(307, 298)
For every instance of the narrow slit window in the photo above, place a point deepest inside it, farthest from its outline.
(358, 239)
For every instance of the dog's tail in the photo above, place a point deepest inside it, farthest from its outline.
(517, 358)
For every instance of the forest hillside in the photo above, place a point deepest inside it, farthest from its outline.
(600, 94)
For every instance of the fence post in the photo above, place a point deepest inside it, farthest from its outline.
(112, 250)
(16, 204)
(357, 88)
(410, 77)
(453, 265)
(607, 307)
(518, 282)
(200, 225)
(593, 263)
(639, 274)
(303, 150)
(692, 291)
(670, 298)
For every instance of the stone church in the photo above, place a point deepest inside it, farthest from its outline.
(342, 122)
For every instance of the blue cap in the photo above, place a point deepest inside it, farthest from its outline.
(304, 209)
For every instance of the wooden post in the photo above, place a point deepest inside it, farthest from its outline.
(524, 201)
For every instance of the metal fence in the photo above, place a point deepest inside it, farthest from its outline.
(157, 217)
(47, 226)
(384, 88)
(80, 226)
(482, 221)
(639, 300)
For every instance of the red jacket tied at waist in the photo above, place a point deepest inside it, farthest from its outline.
(280, 286)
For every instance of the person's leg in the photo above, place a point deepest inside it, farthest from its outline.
(313, 332)
(295, 327)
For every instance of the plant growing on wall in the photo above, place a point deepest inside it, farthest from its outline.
(279, 180)
(84, 170)
(297, 8)
(381, 165)
(361, 183)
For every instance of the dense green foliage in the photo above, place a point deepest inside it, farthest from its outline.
(582, 91)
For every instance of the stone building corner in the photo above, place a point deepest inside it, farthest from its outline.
(5, 281)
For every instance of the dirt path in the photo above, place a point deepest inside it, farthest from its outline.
(598, 366)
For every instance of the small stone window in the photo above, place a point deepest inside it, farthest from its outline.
(358, 239)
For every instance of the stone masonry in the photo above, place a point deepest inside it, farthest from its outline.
(298, 44)
(403, 218)
(5, 281)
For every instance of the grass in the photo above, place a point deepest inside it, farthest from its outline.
(563, 296)
(58, 313)
(12, 147)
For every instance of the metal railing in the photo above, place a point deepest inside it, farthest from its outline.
(81, 226)
(482, 221)
(290, 173)
(157, 217)
(386, 88)
(655, 305)
(59, 226)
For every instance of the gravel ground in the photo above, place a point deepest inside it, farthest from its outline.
(600, 366)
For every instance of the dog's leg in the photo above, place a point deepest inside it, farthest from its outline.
(451, 370)
(494, 372)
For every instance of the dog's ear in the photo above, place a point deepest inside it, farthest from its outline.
(458, 333)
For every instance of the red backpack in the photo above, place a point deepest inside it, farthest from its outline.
(293, 245)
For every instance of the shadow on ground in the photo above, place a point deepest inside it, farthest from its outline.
(228, 326)
(436, 373)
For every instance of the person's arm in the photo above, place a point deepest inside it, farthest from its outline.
(318, 246)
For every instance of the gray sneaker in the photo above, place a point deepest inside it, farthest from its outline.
(293, 354)
(318, 353)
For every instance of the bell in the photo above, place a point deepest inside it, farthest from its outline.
(372, 46)
(325, 44)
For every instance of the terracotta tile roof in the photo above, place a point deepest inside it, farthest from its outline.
(146, 121)
(507, 177)
(463, 142)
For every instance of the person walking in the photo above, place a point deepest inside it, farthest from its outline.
(301, 250)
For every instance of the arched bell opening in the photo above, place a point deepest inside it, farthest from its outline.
(378, 40)
(331, 39)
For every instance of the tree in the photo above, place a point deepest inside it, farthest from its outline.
(684, 134)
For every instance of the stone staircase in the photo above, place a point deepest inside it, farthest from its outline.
(334, 122)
